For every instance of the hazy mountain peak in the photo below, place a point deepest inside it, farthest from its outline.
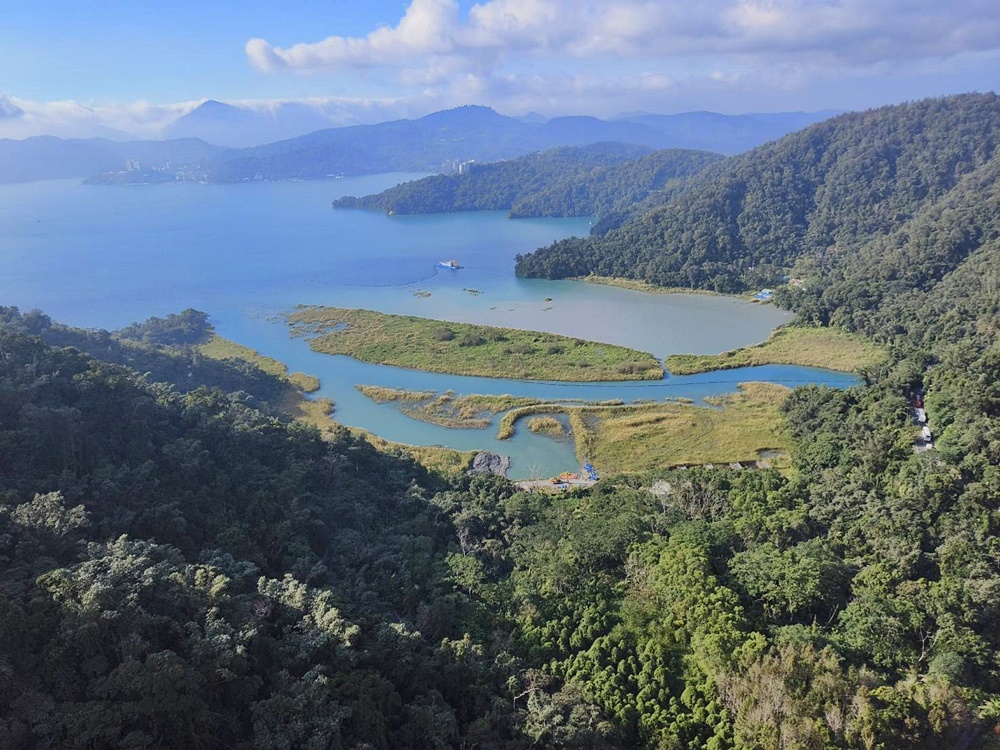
(210, 104)
(234, 125)
(533, 118)
(466, 115)
(214, 110)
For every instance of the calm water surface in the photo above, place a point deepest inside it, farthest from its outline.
(107, 256)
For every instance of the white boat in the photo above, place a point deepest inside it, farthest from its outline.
(452, 264)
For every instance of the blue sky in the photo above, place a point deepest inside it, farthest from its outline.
(164, 51)
(133, 65)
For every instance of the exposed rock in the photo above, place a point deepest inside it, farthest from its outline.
(490, 463)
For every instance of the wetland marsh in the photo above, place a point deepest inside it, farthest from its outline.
(248, 254)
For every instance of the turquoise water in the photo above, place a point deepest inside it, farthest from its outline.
(107, 256)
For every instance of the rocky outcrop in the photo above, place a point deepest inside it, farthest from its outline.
(490, 463)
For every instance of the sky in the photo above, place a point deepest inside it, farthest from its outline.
(117, 67)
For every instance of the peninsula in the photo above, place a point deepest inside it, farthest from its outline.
(466, 349)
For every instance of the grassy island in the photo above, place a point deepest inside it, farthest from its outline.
(546, 425)
(447, 409)
(466, 349)
(829, 348)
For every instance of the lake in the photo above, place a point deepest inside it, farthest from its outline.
(105, 256)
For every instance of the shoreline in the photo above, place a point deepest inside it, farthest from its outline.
(637, 285)
(318, 412)
(618, 437)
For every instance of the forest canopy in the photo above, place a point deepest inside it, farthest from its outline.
(810, 201)
(604, 179)
(185, 566)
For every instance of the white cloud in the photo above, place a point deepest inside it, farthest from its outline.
(425, 29)
(600, 57)
(851, 32)
(9, 110)
(72, 119)
(22, 118)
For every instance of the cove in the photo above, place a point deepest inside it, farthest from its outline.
(105, 256)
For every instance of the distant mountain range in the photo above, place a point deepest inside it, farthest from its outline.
(438, 142)
(243, 126)
(726, 134)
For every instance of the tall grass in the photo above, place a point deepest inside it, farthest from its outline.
(829, 348)
(636, 437)
(640, 438)
(506, 428)
(545, 425)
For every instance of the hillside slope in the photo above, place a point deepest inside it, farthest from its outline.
(187, 568)
(584, 181)
(821, 192)
(183, 569)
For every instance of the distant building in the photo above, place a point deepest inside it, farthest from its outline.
(764, 295)
(132, 165)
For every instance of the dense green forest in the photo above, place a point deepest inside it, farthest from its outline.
(185, 567)
(603, 179)
(814, 197)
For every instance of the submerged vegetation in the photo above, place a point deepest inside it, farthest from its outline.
(830, 348)
(464, 349)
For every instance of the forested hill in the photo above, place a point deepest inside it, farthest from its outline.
(815, 197)
(184, 567)
(616, 192)
(584, 181)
